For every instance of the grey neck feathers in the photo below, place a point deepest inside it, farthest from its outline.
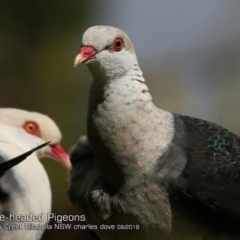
(127, 132)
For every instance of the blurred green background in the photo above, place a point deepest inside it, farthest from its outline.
(188, 50)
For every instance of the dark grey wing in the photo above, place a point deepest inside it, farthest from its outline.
(82, 161)
(14, 161)
(212, 171)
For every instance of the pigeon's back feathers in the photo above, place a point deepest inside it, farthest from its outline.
(212, 172)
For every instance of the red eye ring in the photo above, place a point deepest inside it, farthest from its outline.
(31, 128)
(118, 44)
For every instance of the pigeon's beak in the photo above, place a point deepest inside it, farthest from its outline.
(86, 53)
(58, 153)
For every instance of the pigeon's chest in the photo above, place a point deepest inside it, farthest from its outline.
(117, 125)
(113, 109)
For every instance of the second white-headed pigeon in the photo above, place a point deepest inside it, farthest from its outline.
(25, 192)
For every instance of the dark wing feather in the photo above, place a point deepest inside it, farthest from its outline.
(14, 161)
(212, 172)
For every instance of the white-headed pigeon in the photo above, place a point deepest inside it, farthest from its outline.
(143, 172)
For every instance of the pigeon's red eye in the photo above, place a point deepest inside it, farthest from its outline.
(118, 44)
(32, 128)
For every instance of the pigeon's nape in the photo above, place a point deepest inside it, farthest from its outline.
(14, 161)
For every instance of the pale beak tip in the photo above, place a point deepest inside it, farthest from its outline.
(75, 64)
(78, 59)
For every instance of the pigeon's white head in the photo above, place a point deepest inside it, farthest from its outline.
(107, 51)
(40, 126)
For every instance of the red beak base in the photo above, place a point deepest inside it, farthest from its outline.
(86, 53)
(60, 155)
